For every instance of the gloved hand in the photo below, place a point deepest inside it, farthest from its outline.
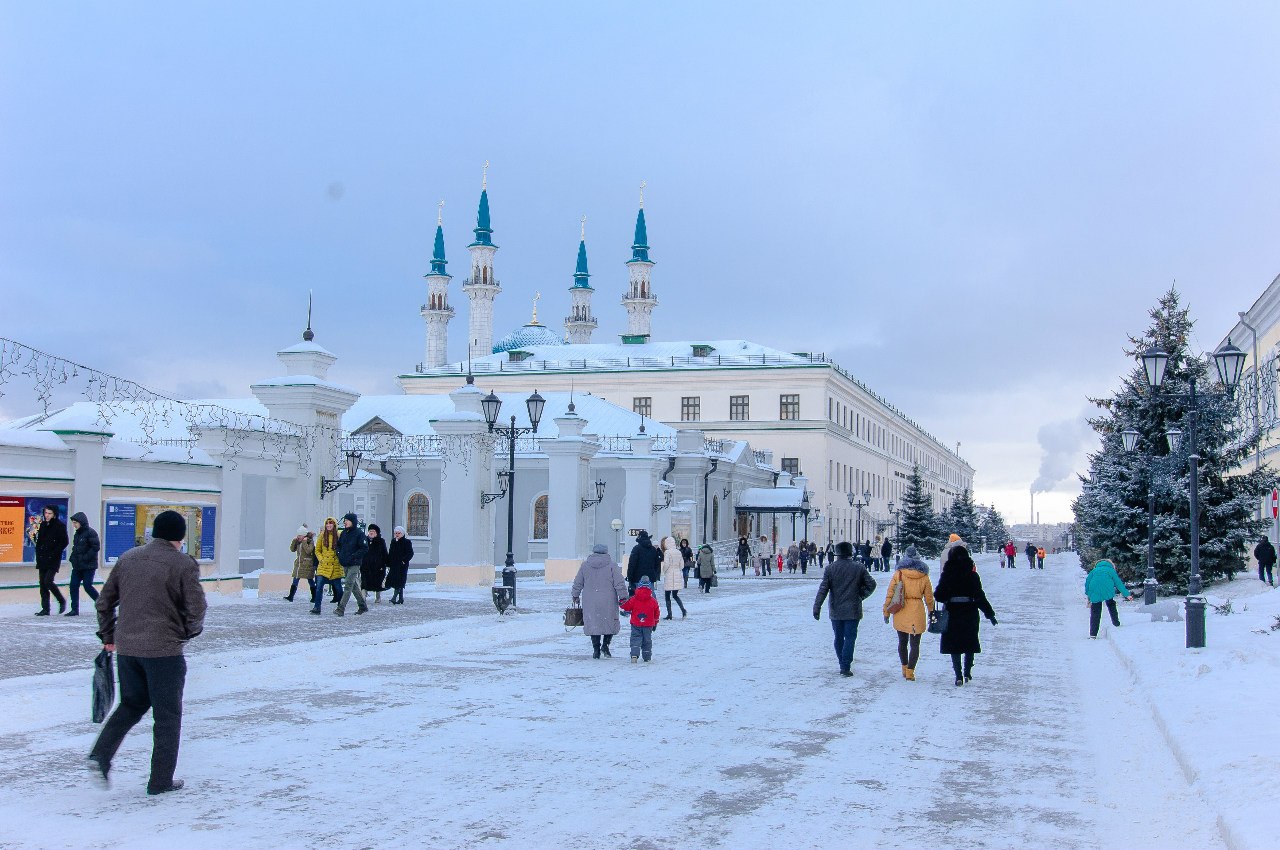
(817, 615)
(993, 621)
(886, 619)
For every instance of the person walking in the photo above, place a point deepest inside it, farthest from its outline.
(672, 570)
(886, 553)
(399, 554)
(960, 589)
(793, 558)
(373, 564)
(1030, 551)
(686, 555)
(328, 571)
(645, 561)
(831, 553)
(1011, 555)
(51, 541)
(766, 557)
(351, 548)
(149, 607)
(804, 557)
(1039, 557)
(303, 545)
(706, 560)
(743, 554)
(1100, 587)
(599, 589)
(1266, 555)
(916, 601)
(644, 612)
(952, 542)
(848, 583)
(85, 546)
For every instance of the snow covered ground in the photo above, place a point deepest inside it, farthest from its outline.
(442, 725)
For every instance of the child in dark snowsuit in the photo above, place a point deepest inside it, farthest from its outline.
(644, 612)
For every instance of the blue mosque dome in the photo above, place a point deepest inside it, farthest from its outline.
(524, 337)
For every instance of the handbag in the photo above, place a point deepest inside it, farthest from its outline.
(104, 686)
(939, 619)
(715, 580)
(899, 599)
(572, 618)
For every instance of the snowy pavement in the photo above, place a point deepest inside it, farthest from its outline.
(442, 725)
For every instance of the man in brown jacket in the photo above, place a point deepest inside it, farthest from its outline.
(161, 606)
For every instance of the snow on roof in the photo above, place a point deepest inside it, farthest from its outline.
(305, 347)
(303, 381)
(649, 355)
(770, 499)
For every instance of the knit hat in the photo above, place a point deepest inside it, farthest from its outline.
(303, 530)
(953, 538)
(373, 526)
(912, 552)
(644, 582)
(600, 549)
(169, 525)
(399, 529)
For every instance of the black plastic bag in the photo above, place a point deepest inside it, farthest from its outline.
(104, 686)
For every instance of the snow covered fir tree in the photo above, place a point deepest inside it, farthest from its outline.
(1112, 510)
(963, 519)
(919, 524)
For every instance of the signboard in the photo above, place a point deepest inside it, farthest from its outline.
(634, 532)
(120, 534)
(129, 525)
(208, 533)
(20, 518)
(1275, 503)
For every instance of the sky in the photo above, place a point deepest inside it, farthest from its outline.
(968, 205)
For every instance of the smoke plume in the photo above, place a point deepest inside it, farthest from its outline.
(1061, 443)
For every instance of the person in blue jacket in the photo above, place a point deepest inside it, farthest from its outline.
(1101, 586)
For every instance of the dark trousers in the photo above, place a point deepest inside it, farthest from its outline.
(705, 583)
(846, 636)
(684, 572)
(968, 664)
(293, 588)
(676, 594)
(78, 578)
(642, 642)
(318, 596)
(742, 562)
(600, 641)
(1267, 567)
(147, 683)
(47, 586)
(1095, 616)
(909, 656)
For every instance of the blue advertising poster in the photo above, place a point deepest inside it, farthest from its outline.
(120, 535)
(34, 514)
(208, 518)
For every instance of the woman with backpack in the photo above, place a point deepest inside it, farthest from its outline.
(909, 601)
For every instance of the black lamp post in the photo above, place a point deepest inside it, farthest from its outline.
(1229, 362)
(859, 504)
(353, 467)
(894, 515)
(1129, 438)
(491, 405)
(805, 507)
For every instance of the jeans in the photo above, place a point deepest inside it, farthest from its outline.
(846, 635)
(1267, 567)
(78, 578)
(147, 683)
(318, 596)
(642, 642)
(908, 658)
(353, 588)
(684, 571)
(47, 586)
(1095, 616)
(293, 588)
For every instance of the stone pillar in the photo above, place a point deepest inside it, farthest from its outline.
(86, 493)
(639, 472)
(466, 470)
(568, 460)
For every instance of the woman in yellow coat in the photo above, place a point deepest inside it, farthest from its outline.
(328, 571)
(917, 598)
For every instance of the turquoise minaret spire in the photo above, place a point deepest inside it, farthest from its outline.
(580, 273)
(639, 298)
(438, 262)
(640, 248)
(482, 286)
(483, 231)
(437, 312)
(580, 323)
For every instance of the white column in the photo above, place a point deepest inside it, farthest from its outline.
(639, 473)
(467, 467)
(86, 492)
(568, 459)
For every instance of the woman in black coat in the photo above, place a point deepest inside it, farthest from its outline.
(960, 589)
(399, 554)
(373, 566)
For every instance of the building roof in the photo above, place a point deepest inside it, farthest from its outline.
(770, 500)
(604, 357)
(531, 335)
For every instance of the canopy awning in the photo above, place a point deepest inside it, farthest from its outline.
(770, 500)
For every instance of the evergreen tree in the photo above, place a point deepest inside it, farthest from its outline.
(919, 525)
(1111, 511)
(962, 519)
(993, 529)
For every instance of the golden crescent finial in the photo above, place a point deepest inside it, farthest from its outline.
(440, 214)
(484, 178)
(642, 185)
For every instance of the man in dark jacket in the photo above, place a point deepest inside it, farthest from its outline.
(352, 544)
(1266, 555)
(1030, 552)
(849, 583)
(645, 561)
(886, 554)
(161, 606)
(51, 542)
(84, 561)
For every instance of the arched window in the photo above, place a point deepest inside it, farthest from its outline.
(419, 516)
(540, 518)
(715, 517)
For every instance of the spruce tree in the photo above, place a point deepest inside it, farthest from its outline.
(919, 525)
(1111, 511)
(962, 519)
(993, 529)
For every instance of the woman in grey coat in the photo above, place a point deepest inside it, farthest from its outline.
(598, 588)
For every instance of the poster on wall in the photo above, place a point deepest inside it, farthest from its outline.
(129, 525)
(20, 518)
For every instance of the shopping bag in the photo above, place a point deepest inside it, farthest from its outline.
(104, 686)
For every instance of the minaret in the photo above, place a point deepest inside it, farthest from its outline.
(482, 287)
(639, 299)
(580, 323)
(437, 312)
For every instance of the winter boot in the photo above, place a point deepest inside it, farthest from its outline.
(595, 646)
(904, 671)
(604, 646)
(909, 674)
(959, 682)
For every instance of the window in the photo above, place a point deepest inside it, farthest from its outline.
(419, 516)
(789, 406)
(539, 517)
(791, 465)
(643, 405)
(739, 408)
(690, 408)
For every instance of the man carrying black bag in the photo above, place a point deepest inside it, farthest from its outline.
(161, 605)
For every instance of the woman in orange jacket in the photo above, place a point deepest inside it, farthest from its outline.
(911, 620)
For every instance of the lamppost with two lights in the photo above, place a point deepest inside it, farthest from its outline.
(491, 405)
(859, 504)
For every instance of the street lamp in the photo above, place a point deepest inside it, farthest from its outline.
(586, 503)
(1229, 363)
(353, 467)
(1129, 438)
(859, 504)
(896, 553)
(491, 405)
(616, 525)
(804, 509)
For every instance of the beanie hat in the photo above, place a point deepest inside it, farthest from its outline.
(953, 538)
(600, 549)
(644, 582)
(912, 551)
(303, 530)
(373, 526)
(169, 525)
(399, 529)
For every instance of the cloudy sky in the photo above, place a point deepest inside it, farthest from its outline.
(969, 205)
